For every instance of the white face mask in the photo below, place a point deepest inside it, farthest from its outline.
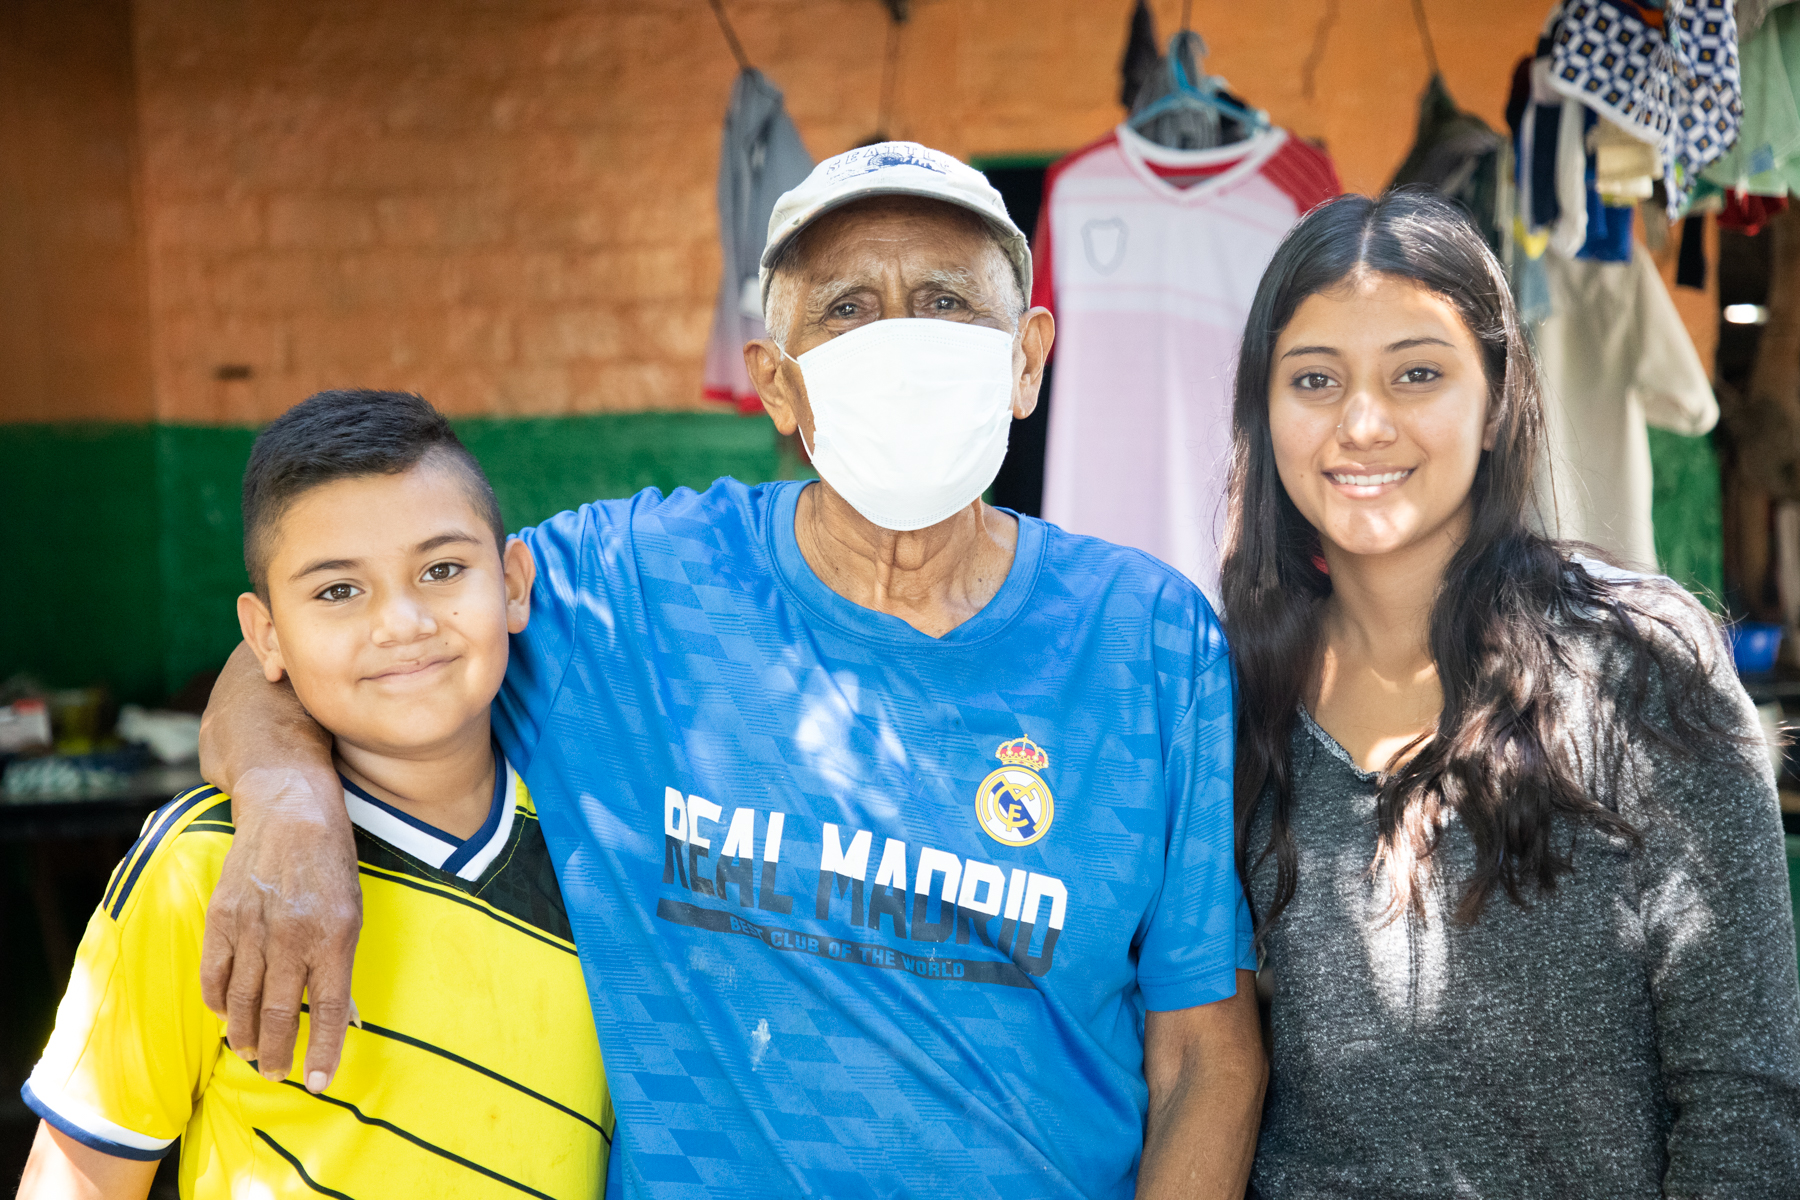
(910, 416)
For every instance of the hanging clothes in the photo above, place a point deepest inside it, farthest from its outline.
(1679, 92)
(1149, 258)
(1141, 55)
(1456, 154)
(1749, 213)
(760, 157)
(1765, 161)
(1615, 358)
(1625, 168)
(1690, 258)
(1184, 128)
(1686, 508)
(1530, 238)
(1752, 13)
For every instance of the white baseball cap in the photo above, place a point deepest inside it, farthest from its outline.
(893, 169)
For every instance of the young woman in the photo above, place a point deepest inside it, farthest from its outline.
(1504, 813)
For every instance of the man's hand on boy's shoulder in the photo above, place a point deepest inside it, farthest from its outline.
(283, 922)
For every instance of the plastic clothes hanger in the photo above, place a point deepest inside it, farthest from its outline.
(1188, 97)
(1182, 116)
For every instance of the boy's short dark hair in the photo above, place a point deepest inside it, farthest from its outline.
(347, 433)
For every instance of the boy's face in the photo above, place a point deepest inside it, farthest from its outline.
(389, 608)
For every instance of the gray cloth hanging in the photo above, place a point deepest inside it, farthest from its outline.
(1141, 55)
(1455, 154)
(760, 157)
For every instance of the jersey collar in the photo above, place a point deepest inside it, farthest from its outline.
(1246, 157)
(463, 858)
(869, 625)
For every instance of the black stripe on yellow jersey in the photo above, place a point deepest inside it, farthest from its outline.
(475, 1071)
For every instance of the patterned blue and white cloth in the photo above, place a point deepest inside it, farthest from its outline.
(865, 912)
(1675, 86)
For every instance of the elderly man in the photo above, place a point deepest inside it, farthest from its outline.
(895, 829)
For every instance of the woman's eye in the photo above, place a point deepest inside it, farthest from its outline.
(440, 572)
(1312, 381)
(337, 593)
(1420, 375)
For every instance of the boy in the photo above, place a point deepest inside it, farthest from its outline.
(385, 592)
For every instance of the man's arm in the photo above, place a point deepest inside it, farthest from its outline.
(1206, 1071)
(61, 1168)
(285, 915)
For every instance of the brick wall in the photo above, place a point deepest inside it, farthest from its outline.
(508, 204)
(74, 343)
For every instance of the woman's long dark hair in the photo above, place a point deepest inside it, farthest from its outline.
(1504, 757)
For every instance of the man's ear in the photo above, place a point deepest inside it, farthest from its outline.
(1037, 332)
(259, 634)
(763, 360)
(520, 572)
(782, 388)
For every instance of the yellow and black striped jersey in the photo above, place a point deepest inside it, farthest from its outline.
(475, 1071)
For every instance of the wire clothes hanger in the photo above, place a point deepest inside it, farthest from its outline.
(731, 37)
(1431, 59)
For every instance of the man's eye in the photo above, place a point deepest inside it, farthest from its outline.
(845, 309)
(1420, 375)
(946, 304)
(337, 593)
(440, 572)
(1312, 381)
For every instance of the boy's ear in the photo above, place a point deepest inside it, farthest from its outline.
(259, 634)
(520, 572)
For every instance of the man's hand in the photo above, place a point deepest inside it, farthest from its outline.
(285, 915)
(1206, 1071)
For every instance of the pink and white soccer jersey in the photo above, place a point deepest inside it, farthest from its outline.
(1149, 258)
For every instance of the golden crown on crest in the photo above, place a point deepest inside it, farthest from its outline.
(1022, 752)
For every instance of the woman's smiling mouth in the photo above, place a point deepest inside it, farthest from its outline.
(1368, 479)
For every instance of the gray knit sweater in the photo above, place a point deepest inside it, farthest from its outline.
(1635, 1032)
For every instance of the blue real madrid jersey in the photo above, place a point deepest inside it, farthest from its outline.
(865, 912)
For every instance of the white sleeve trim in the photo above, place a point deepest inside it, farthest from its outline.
(88, 1120)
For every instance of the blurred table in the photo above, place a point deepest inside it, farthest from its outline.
(118, 810)
(1782, 684)
(62, 832)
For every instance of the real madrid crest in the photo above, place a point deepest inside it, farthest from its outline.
(1014, 804)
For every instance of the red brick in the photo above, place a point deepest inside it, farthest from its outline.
(478, 335)
(320, 223)
(220, 226)
(571, 334)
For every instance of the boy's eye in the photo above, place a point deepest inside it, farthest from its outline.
(441, 572)
(337, 593)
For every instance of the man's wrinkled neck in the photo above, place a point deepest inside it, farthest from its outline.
(934, 578)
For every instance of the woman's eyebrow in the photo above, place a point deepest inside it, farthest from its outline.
(1301, 351)
(1409, 343)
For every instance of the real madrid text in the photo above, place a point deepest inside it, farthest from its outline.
(915, 912)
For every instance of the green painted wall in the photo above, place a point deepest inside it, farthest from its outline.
(78, 535)
(127, 540)
(124, 542)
